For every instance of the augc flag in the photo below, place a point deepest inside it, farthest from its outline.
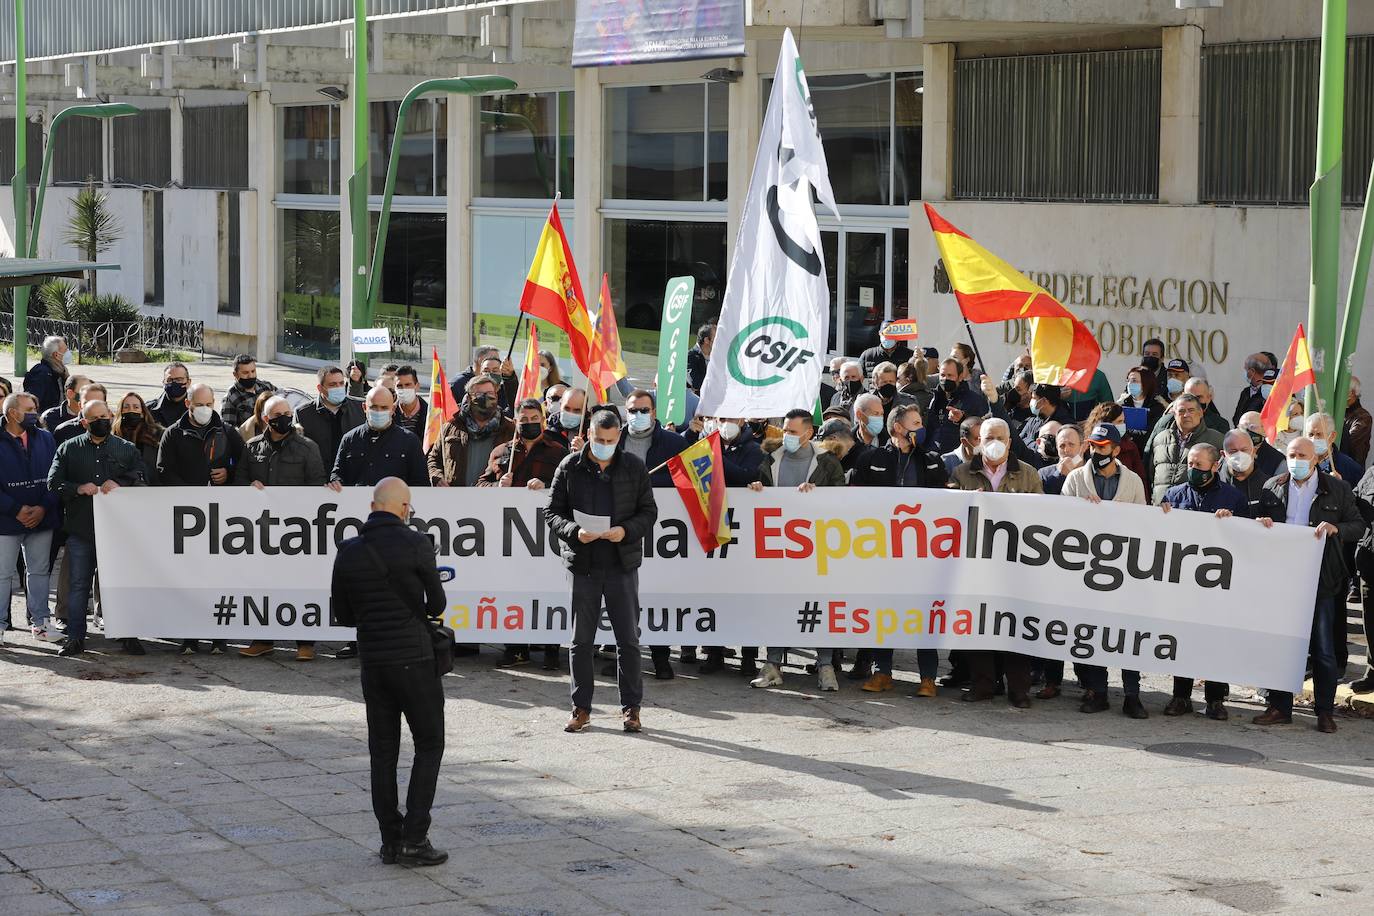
(699, 475)
(553, 290)
(1063, 350)
(1295, 375)
(441, 406)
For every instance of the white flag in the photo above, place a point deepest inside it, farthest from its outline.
(775, 320)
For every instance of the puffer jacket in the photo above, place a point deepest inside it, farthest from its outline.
(634, 506)
(189, 453)
(385, 604)
(294, 462)
(1167, 457)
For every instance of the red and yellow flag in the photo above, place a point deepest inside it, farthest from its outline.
(553, 290)
(1295, 375)
(1063, 350)
(441, 406)
(699, 476)
(608, 363)
(530, 386)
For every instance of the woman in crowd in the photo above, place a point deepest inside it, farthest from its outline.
(256, 425)
(1113, 414)
(134, 423)
(548, 370)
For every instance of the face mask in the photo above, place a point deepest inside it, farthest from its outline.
(1198, 478)
(709, 426)
(949, 386)
(29, 421)
(994, 450)
(874, 425)
(790, 442)
(1321, 447)
(1102, 461)
(531, 430)
(1175, 386)
(641, 422)
(63, 357)
(602, 451)
(1150, 362)
(918, 437)
(1035, 405)
(378, 419)
(887, 343)
(1049, 448)
(202, 415)
(1299, 468)
(335, 396)
(1133, 389)
(854, 389)
(1266, 390)
(282, 425)
(887, 392)
(174, 390)
(1240, 462)
(543, 373)
(99, 428)
(125, 419)
(248, 384)
(729, 431)
(569, 420)
(1120, 429)
(407, 396)
(758, 427)
(484, 405)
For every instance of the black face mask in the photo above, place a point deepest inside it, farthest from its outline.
(1012, 399)
(949, 386)
(1102, 462)
(854, 389)
(1050, 449)
(887, 392)
(758, 427)
(1150, 362)
(281, 425)
(130, 419)
(531, 430)
(174, 390)
(484, 405)
(100, 428)
(248, 384)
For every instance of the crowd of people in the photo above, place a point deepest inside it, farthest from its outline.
(892, 417)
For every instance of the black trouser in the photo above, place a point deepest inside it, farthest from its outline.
(1213, 691)
(983, 668)
(1364, 562)
(413, 691)
(620, 591)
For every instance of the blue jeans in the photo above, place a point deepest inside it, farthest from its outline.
(927, 662)
(1322, 648)
(37, 547)
(81, 561)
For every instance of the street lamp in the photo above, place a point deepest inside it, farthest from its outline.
(469, 85)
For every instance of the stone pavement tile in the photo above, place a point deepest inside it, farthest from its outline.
(328, 803)
(1106, 877)
(564, 900)
(71, 877)
(1182, 903)
(82, 788)
(297, 903)
(20, 806)
(348, 869)
(268, 770)
(296, 786)
(144, 821)
(218, 861)
(225, 814)
(171, 909)
(58, 855)
(216, 793)
(29, 903)
(665, 895)
(996, 886)
(408, 887)
(820, 902)
(127, 896)
(52, 829)
(1075, 906)
(521, 830)
(227, 885)
(321, 850)
(169, 844)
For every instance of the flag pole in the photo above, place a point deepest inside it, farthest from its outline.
(976, 353)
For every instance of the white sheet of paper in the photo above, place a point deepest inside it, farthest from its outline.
(596, 524)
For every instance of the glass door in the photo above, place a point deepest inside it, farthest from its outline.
(865, 289)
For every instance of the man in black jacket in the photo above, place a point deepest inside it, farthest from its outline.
(386, 584)
(379, 449)
(1252, 396)
(170, 406)
(1310, 497)
(699, 357)
(70, 406)
(606, 489)
(332, 413)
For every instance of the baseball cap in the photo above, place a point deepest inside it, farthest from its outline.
(834, 426)
(1177, 365)
(930, 353)
(1104, 434)
(1270, 375)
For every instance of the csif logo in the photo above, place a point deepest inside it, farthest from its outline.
(679, 298)
(776, 343)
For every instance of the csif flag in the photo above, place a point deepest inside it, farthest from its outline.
(553, 291)
(775, 318)
(441, 406)
(1295, 375)
(530, 386)
(608, 364)
(1063, 350)
(699, 476)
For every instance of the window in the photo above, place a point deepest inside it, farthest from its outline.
(308, 310)
(526, 145)
(143, 149)
(1259, 117)
(667, 142)
(228, 249)
(154, 242)
(414, 284)
(421, 170)
(215, 146)
(77, 151)
(310, 149)
(1058, 127)
(33, 147)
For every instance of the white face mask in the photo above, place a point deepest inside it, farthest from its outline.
(543, 373)
(729, 431)
(202, 415)
(1240, 462)
(708, 427)
(994, 450)
(407, 396)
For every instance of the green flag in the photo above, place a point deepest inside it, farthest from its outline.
(672, 350)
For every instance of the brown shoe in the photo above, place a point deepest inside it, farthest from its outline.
(581, 718)
(1216, 710)
(1273, 716)
(1179, 706)
(256, 648)
(1326, 723)
(305, 653)
(927, 688)
(1048, 692)
(879, 683)
(630, 720)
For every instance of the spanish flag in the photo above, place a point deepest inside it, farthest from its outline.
(553, 290)
(441, 406)
(529, 373)
(1063, 350)
(608, 364)
(699, 476)
(1295, 375)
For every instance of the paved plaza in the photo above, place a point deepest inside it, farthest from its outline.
(221, 784)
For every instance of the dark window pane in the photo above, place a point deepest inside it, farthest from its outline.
(310, 150)
(441, 147)
(76, 151)
(415, 169)
(518, 138)
(142, 154)
(656, 144)
(718, 141)
(854, 113)
(308, 311)
(865, 283)
(907, 168)
(414, 276)
(566, 108)
(216, 146)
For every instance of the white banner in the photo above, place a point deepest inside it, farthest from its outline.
(1120, 586)
(775, 318)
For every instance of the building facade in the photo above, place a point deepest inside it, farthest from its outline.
(1147, 164)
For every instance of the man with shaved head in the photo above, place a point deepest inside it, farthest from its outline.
(386, 584)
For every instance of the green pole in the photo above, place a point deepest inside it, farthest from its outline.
(19, 188)
(358, 184)
(1354, 307)
(1326, 206)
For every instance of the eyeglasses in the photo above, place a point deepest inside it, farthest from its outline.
(641, 410)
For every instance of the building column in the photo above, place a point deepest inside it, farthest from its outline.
(1179, 114)
(259, 222)
(461, 166)
(937, 123)
(746, 120)
(345, 122)
(588, 183)
(177, 135)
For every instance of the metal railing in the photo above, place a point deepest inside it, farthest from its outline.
(106, 338)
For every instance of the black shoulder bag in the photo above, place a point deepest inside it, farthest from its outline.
(441, 636)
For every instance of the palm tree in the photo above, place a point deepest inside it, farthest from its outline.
(92, 228)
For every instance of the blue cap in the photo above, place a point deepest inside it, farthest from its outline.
(1104, 434)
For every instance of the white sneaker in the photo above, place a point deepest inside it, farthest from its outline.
(825, 676)
(769, 676)
(39, 633)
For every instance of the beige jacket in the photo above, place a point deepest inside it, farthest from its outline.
(1131, 489)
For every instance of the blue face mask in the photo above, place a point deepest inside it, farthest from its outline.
(1266, 390)
(1299, 468)
(1175, 386)
(569, 420)
(379, 419)
(602, 451)
(874, 425)
(335, 395)
(1321, 447)
(919, 437)
(887, 343)
(790, 442)
(639, 422)
(1133, 389)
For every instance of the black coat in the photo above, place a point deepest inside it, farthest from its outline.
(166, 411)
(45, 383)
(944, 430)
(366, 458)
(1250, 400)
(878, 467)
(386, 604)
(873, 356)
(293, 462)
(696, 368)
(741, 457)
(188, 452)
(1334, 503)
(317, 422)
(633, 498)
